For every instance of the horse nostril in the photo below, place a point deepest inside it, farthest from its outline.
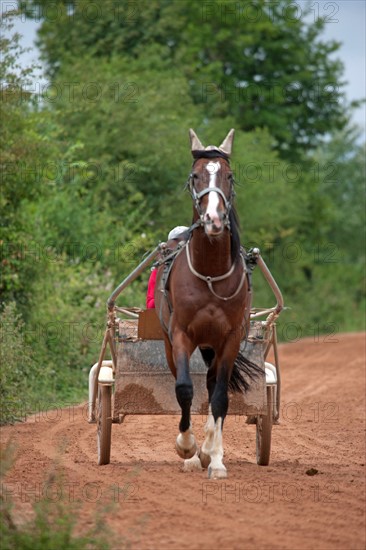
(215, 221)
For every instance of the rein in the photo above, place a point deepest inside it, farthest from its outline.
(210, 280)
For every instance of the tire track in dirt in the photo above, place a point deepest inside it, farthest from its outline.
(150, 503)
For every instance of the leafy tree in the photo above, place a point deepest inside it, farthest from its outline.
(340, 171)
(131, 119)
(265, 64)
(24, 146)
(94, 171)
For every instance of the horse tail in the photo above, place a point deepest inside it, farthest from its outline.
(243, 373)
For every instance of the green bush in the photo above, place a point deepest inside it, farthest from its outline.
(16, 374)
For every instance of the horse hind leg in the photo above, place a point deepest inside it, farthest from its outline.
(192, 464)
(207, 446)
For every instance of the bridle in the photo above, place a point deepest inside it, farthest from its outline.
(197, 196)
(228, 202)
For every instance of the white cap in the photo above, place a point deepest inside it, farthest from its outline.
(174, 233)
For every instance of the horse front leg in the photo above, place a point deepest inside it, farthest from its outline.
(185, 444)
(212, 452)
(205, 451)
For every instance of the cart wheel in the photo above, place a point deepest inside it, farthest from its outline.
(104, 423)
(264, 431)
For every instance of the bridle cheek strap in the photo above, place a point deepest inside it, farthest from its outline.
(198, 196)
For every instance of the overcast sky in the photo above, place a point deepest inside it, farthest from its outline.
(345, 22)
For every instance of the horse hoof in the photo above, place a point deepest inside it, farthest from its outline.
(217, 473)
(185, 452)
(204, 459)
(192, 464)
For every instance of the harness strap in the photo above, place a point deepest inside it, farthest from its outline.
(167, 261)
(210, 280)
(207, 278)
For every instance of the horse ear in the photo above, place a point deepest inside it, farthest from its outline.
(227, 144)
(196, 145)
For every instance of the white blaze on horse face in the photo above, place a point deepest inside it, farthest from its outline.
(212, 213)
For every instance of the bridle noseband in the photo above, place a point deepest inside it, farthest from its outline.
(197, 197)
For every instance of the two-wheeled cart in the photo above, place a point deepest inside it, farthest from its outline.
(137, 380)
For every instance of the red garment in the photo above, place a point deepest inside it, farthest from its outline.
(150, 300)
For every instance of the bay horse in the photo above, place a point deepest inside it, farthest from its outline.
(205, 302)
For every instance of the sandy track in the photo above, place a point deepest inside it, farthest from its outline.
(150, 503)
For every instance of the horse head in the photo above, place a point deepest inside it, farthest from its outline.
(211, 183)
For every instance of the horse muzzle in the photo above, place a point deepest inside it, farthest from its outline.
(214, 225)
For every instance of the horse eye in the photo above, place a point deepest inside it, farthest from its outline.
(195, 176)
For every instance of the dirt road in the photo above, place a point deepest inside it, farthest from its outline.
(149, 503)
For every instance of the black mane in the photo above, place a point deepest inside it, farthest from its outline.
(235, 234)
